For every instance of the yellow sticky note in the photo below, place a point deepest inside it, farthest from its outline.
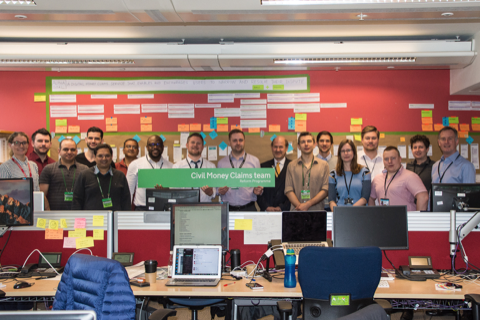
(53, 224)
(78, 233)
(402, 139)
(61, 122)
(98, 221)
(40, 98)
(53, 234)
(222, 121)
(356, 121)
(301, 116)
(382, 135)
(358, 137)
(41, 223)
(63, 223)
(98, 234)
(243, 224)
(86, 242)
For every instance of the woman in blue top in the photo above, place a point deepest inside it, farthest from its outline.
(349, 184)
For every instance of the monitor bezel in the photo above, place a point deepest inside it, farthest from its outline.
(171, 190)
(450, 186)
(30, 204)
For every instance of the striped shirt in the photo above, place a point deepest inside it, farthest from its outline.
(10, 169)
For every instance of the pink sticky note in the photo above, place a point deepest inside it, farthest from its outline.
(80, 223)
(69, 242)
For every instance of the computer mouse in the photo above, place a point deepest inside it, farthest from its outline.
(21, 285)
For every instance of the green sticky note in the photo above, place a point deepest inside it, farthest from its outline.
(452, 120)
(475, 120)
(427, 114)
(300, 116)
(257, 87)
(222, 120)
(356, 121)
(278, 87)
(60, 122)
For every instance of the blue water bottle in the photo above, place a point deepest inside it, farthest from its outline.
(290, 281)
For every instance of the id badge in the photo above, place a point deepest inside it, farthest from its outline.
(305, 195)
(348, 201)
(107, 203)
(384, 202)
(68, 196)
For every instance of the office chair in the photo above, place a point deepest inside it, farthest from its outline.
(99, 284)
(331, 276)
(195, 304)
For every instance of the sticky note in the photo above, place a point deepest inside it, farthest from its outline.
(111, 120)
(356, 128)
(402, 139)
(61, 122)
(427, 114)
(469, 140)
(301, 116)
(207, 128)
(62, 129)
(273, 137)
(290, 148)
(235, 126)
(357, 137)
(452, 120)
(438, 126)
(445, 121)
(98, 234)
(464, 127)
(53, 234)
(146, 127)
(274, 128)
(73, 129)
(86, 242)
(223, 145)
(222, 127)
(98, 221)
(78, 233)
(136, 138)
(475, 120)
(476, 127)
(427, 127)
(163, 137)
(382, 135)
(427, 121)
(63, 223)
(213, 135)
(111, 128)
(76, 139)
(145, 120)
(80, 223)
(356, 121)
(222, 121)
(195, 127)
(39, 98)
(203, 135)
(254, 130)
(183, 127)
(463, 134)
(53, 224)
(41, 223)
(300, 125)
(291, 123)
(213, 123)
(243, 224)
(69, 242)
(61, 139)
(454, 126)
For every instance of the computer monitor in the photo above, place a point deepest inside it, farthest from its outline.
(162, 199)
(49, 315)
(16, 202)
(304, 226)
(456, 196)
(199, 224)
(385, 227)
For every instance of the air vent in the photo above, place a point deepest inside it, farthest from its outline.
(56, 62)
(345, 60)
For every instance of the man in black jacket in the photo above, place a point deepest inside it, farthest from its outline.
(274, 199)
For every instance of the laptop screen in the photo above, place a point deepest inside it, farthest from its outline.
(202, 261)
(304, 226)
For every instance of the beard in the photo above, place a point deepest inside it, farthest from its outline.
(40, 153)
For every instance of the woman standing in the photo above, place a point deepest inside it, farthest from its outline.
(349, 184)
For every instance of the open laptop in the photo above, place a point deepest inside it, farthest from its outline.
(304, 228)
(196, 266)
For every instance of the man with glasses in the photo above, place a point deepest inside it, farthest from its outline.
(41, 142)
(130, 150)
(57, 179)
(152, 160)
(93, 139)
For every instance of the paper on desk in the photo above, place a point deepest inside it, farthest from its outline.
(264, 229)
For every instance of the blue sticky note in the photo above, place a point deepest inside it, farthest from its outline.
(445, 121)
(223, 145)
(203, 135)
(291, 123)
(273, 137)
(290, 148)
(136, 138)
(213, 123)
(76, 139)
(213, 134)
(469, 140)
(61, 139)
(163, 138)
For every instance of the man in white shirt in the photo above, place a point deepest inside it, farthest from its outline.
(194, 160)
(370, 157)
(152, 160)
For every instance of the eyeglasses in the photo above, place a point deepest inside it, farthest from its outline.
(346, 151)
(131, 147)
(69, 149)
(153, 145)
(20, 143)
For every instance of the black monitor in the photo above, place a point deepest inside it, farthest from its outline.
(385, 227)
(16, 202)
(304, 226)
(455, 196)
(162, 199)
(199, 224)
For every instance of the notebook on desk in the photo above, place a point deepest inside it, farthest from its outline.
(196, 266)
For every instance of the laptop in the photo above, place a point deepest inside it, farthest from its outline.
(196, 266)
(304, 228)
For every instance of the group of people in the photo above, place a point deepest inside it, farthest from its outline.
(92, 181)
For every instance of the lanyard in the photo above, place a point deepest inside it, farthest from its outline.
(188, 162)
(348, 187)
(385, 185)
(65, 182)
(309, 173)
(109, 185)
(374, 164)
(29, 169)
(441, 178)
(152, 165)
(241, 165)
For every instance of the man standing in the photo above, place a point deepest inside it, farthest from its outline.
(152, 160)
(324, 142)
(397, 186)
(369, 157)
(194, 160)
(130, 150)
(239, 199)
(422, 165)
(41, 142)
(57, 179)
(452, 167)
(101, 187)
(306, 185)
(93, 139)
(274, 199)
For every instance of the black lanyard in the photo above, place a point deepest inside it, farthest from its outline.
(73, 182)
(374, 164)
(441, 178)
(309, 174)
(386, 177)
(241, 165)
(109, 185)
(152, 165)
(188, 162)
(348, 187)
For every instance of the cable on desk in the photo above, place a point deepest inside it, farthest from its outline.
(43, 258)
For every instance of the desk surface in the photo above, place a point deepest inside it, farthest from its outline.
(399, 289)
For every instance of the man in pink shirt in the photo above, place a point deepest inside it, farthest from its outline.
(397, 186)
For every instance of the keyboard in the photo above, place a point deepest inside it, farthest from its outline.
(195, 280)
(299, 246)
(8, 275)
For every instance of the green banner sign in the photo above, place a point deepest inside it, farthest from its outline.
(189, 178)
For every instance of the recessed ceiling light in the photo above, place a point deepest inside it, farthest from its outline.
(20, 16)
(447, 14)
